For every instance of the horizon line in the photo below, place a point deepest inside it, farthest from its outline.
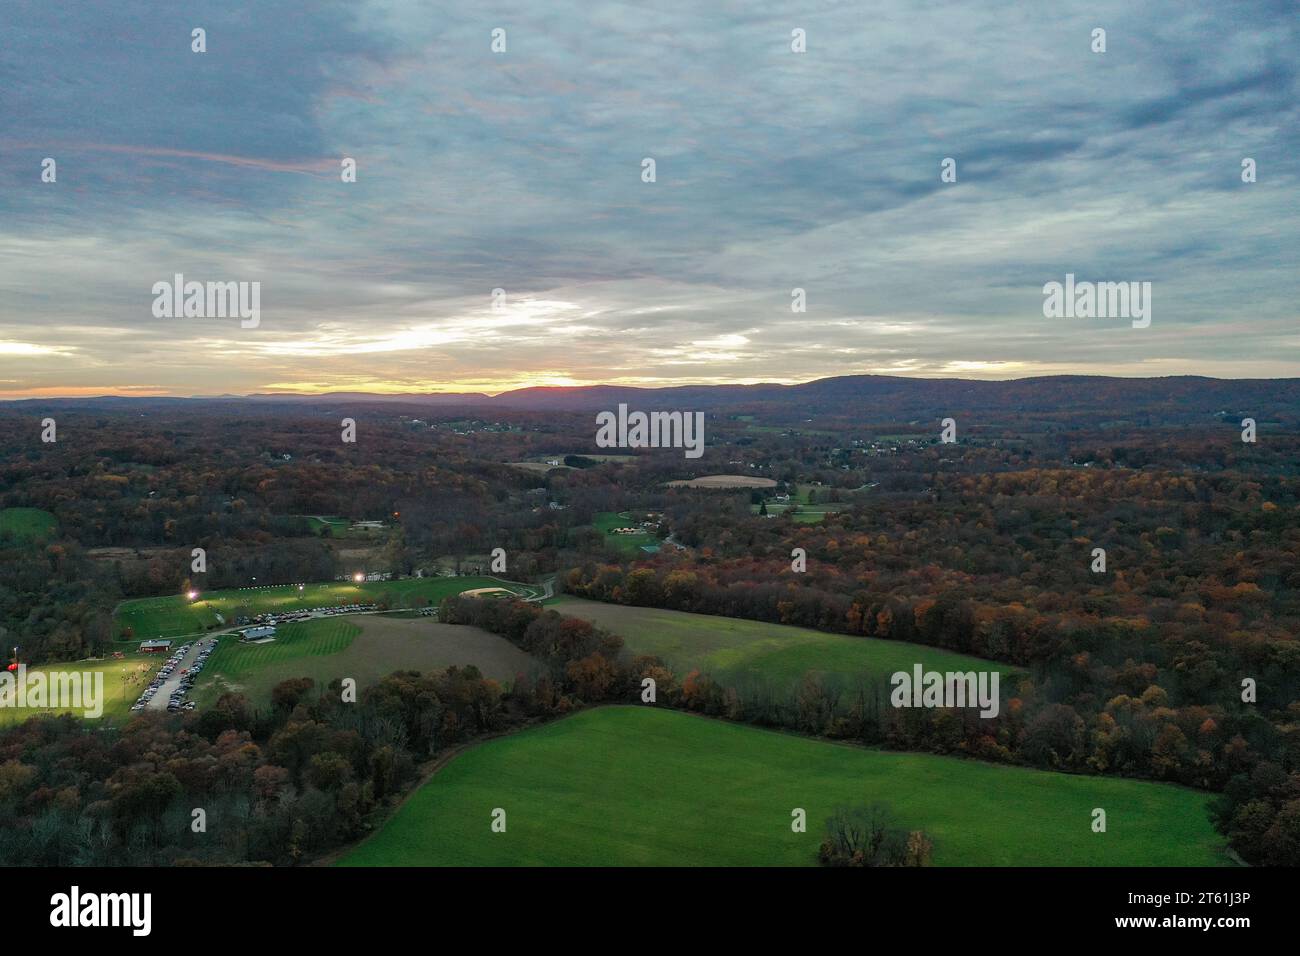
(474, 395)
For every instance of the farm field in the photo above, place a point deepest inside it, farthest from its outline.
(627, 786)
(175, 615)
(540, 467)
(119, 695)
(724, 481)
(726, 646)
(607, 521)
(787, 430)
(364, 647)
(27, 524)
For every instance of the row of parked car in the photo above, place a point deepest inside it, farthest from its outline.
(348, 608)
(259, 620)
(288, 617)
(177, 699)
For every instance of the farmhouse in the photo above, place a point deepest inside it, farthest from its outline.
(155, 647)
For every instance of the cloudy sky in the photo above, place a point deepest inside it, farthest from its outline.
(522, 171)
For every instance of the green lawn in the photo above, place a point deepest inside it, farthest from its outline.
(253, 669)
(340, 527)
(27, 524)
(175, 615)
(123, 682)
(318, 637)
(808, 512)
(606, 521)
(624, 786)
(732, 648)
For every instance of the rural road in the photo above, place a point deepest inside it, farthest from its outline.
(159, 699)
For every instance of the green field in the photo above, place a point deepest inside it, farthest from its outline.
(234, 665)
(27, 524)
(728, 647)
(606, 521)
(783, 429)
(625, 786)
(175, 615)
(340, 527)
(119, 694)
(365, 647)
(805, 510)
(805, 514)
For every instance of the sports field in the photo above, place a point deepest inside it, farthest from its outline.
(734, 648)
(365, 647)
(175, 615)
(123, 682)
(622, 786)
(27, 524)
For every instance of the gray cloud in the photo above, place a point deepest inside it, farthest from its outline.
(522, 171)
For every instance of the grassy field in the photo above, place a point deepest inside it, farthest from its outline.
(175, 615)
(808, 511)
(540, 464)
(540, 467)
(319, 637)
(119, 695)
(723, 481)
(606, 521)
(730, 647)
(342, 528)
(365, 647)
(338, 527)
(27, 524)
(640, 786)
(791, 429)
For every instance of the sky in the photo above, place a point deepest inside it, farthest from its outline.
(522, 171)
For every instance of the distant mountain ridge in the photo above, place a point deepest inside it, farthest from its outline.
(1188, 395)
(845, 394)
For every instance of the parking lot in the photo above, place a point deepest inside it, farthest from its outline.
(174, 679)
